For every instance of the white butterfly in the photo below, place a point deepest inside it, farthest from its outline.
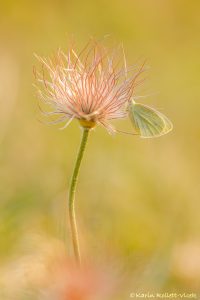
(148, 122)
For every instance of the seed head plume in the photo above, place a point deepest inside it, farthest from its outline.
(92, 87)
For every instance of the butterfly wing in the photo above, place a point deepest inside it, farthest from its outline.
(147, 121)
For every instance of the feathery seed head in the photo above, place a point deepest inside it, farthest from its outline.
(90, 87)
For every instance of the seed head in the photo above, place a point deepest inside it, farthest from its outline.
(93, 86)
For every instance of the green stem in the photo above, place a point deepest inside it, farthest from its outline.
(72, 216)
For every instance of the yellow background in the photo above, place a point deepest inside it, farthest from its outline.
(137, 200)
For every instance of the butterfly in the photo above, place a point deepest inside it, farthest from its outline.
(147, 121)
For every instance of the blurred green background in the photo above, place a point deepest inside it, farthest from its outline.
(137, 200)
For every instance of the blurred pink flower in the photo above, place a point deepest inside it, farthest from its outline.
(92, 87)
(67, 281)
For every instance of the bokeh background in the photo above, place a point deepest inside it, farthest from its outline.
(137, 200)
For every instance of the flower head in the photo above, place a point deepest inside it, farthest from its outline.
(91, 87)
(69, 282)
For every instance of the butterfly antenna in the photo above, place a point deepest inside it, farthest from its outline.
(125, 132)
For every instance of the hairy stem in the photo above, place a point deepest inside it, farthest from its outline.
(72, 216)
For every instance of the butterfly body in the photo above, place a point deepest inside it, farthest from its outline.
(147, 121)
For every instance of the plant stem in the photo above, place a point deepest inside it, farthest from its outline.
(72, 216)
